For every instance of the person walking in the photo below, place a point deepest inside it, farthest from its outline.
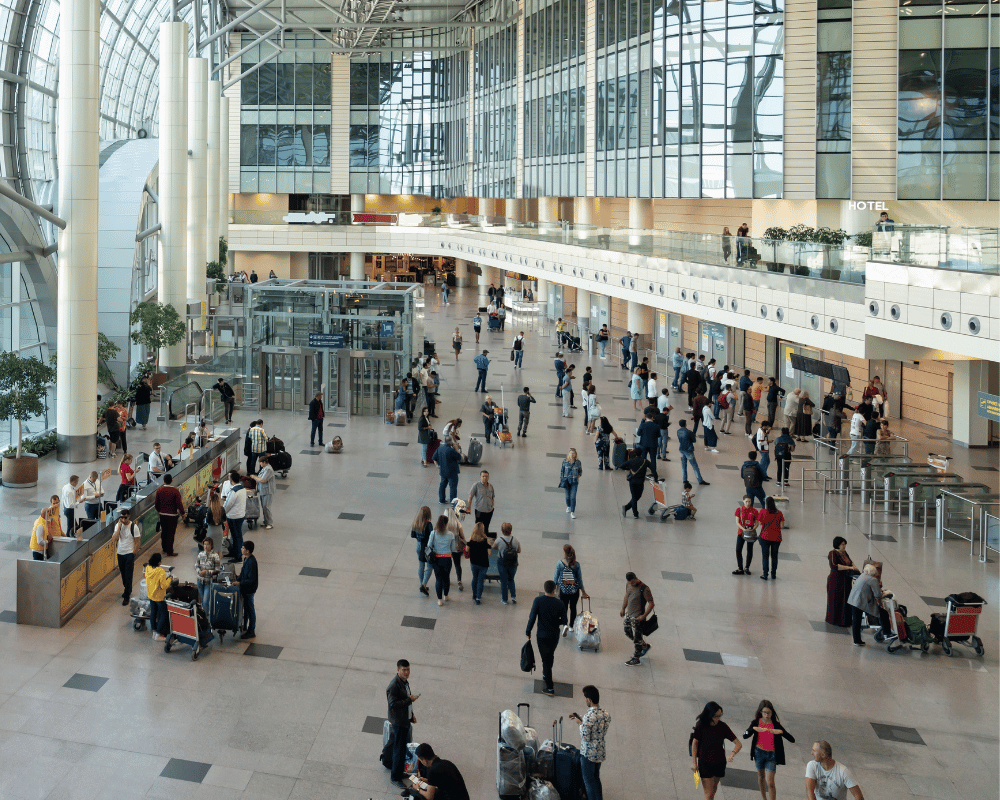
(508, 550)
(448, 460)
(482, 363)
(421, 529)
(316, 416)
(771, 520)
(602, 443)
(569, 479)
(784, 446)
(170, 506)
(477, 325)
(593, 730)
(763, 443)
(479, 560)
(456, 343)
(569, 579)
(502, 314)
(774, 395)
(727, 244)
(828, 780)
(524, 402)
(677, 363)
(626, 343)
(566, 390)
(753, 478)
(686, 441)
(228, 398)
(636, 610)
(517, 348)
(767, 748)
(708, 748)
(550, 614)
(481, 500)
(648, 434)
(635, 389)
(143, 400)
(157, 583)
(636, 469)
(746, 534)
(458, 545)
(439, 549)
(400, 699)
(863, 599)
(235, 506)
(128, 536)
(602, 338)
(804, 418)
(727, 405)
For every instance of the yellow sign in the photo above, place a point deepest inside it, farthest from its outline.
(989, 406)
(102, 564)
(184, 426)
(72, 589)
(107, 473)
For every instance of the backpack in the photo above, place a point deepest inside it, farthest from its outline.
(751, 475)
(781, 450)
(509, 555)
(723, 402)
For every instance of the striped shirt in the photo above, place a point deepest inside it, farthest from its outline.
(258, 440)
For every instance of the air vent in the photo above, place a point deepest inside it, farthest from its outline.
(814, 322)
(694, 297)
(722, 302)
(873, 308)
(945, 320)
(734, 305)
(763, 311)
(894, 312)
(975, 326)
(834, 325)
(661, 289)
(684, 294)
(779, 314)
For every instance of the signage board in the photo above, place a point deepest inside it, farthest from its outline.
(331, 340)
(989, 406)
(387, 328)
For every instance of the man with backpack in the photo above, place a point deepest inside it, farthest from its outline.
(783, 447)
(507, 548)
(727, 405)
(636, 609)
(753, 478)
(551, 615)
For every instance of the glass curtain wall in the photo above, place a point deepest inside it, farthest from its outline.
(494, 148)
(949, 100)
(833, 100)
(285, 112)
(555, 97)
(689, 98)
(409, 126)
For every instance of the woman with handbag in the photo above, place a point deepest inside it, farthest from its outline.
(569, 578)
(479, 560)
(421, 531)
(746, 534)
(424, 433)
(569, 480)
(602, 338)
(771, 521)
(458, 548)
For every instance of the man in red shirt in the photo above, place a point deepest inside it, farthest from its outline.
(169, 505)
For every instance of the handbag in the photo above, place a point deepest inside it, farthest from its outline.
(511, 355)
(528, 657)
(650, 625)
(562, 483)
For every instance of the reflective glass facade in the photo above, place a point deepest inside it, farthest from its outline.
(494, 137)
(833, 100)
(689, 98)
(949, 101)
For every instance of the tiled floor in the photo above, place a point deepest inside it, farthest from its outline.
(287, 722)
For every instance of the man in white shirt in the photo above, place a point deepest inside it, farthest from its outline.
(764, 446)
(69, 503)
(857, 430)
(651, 388)
(235, 507)
(92, 494)
(159, 463)
(828, 780)
(663, 402)
(128, 534)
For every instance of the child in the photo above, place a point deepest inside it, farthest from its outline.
(686, 497)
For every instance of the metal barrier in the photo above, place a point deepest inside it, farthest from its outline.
(251, 396)
(989, 531)
(898, 446)
(887, 511)
(976, 507)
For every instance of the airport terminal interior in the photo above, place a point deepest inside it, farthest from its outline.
(306, 199)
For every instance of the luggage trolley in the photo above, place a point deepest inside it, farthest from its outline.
(660, 502)
(958, 624)
(185, 626)
(501, 428)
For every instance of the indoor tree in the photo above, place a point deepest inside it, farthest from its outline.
(157, 325)
(23, 385)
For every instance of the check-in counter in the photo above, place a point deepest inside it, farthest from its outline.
(50, 592)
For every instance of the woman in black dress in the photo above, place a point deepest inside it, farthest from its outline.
(838, 584)
(804, 420)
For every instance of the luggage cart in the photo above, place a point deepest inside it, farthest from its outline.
(660, 502)
(501, 429)
(914, 636)
(958, 624)
(184, 627)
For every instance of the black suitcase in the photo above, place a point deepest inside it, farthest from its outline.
(475, 454)
(619, 454)
(184, 592)
(227, 608)
(567, 776)
(275, 445)
(281, 462)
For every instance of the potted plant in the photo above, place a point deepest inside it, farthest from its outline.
(23, 384)
(156, 325)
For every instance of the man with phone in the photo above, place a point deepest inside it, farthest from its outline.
(401, 717)
(438, 779)
(593, 728)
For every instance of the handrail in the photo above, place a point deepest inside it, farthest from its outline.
(984, 529)
(170, 399)
(899, 513)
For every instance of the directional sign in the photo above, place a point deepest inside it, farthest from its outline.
(387, 328)
(332, 340)
(989, 406)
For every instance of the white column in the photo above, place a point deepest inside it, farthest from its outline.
(487, 207)
(357, 259)
(548, 209)
(640, 218)
(76, 404)
(483, 284)
(971, 378)
(197, 179)
(542, 296)
(212, 174)
(223, 181)
(640, 322)
(583, 308)
(583, 216)
(514, 209)
(173, 170)
(461, 272)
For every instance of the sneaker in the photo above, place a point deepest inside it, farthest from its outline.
(737, 572)
(633, 662)
(477, 601)
(567, 509)
(440, 602)
(713, 450)
(447, 599)
(425, 590)
(860, 644)
(645, 649)
(503, 602)
(572, 515)
(547, 690)
(565, 629)
(268, 527)
(513, 600)
(158, 638)
(763, 577)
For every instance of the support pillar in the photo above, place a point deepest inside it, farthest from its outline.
(197, 180)
(583, 216)
(515, 209)
(77, 131)
(223, 182)
(212, 172)
(461, 273)
(542, 296)
(640, 321)
(640, 218)
(971, 378)
(173, 171)
(548, 209)
(483, 285)
(357, 259)
(487, 207)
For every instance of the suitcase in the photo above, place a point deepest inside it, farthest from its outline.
(494, 323)
(275, 445)
(432, 447)
(253, 511)
(587, 631)
(227, 609)
(493, 570)
(511, 774)
(385, 757)
(281, 462)
(475, 454)
(567, 776)
(530, 738)
(399, 417)
(619, 454)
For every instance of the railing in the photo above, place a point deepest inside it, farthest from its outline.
(185, 396)
(887, 511)
(973, 516)
(973, 250)
(225, 366)
(989, 534)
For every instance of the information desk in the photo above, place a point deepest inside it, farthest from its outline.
(50, 592)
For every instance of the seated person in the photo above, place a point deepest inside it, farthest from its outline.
(159, 462)
(436, 779)
(189, 445)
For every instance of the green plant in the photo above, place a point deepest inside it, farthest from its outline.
(23, 384)
(158, 325)
(106, 351)
(829, 236)
(223, 251)
(38, 445)
(214, 269)
(863, 239)
(776, 234)
(436, 210)
(807, 233)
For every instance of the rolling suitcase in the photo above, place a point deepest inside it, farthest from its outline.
(281, 462)
(567, 776)
(253, 511)
(511, 774)
(530, 738)
(227, 609)
(475, 454)
(619, 453)
(587, 631)
(399, 418)
(432, 447)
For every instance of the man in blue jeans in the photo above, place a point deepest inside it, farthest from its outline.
(247, 582)
(448, 460)
(507, 562)
(753, 478)
(686, 440)
(677, 362)
(482, 363)
(593, 729)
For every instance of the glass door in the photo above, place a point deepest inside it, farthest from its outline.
(371, 385)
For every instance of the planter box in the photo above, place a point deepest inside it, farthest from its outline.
(20, 473)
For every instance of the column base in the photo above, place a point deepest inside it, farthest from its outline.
(76, 449)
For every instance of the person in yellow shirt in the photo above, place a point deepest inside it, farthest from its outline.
(157, 583)
(39, 537)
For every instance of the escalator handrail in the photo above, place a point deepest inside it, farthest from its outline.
(170, 399)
